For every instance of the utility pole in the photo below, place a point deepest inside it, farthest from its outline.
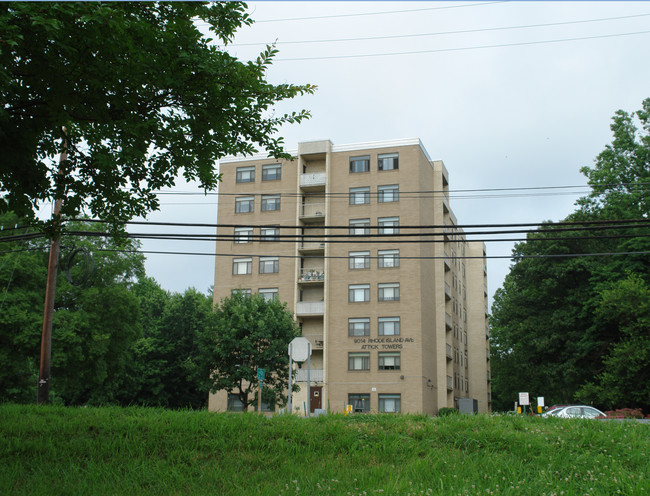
(43, 395)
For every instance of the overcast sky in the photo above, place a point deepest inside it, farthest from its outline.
(507, 94)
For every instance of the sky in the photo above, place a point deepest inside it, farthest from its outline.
(507, 94)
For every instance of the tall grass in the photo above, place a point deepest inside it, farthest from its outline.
(97, 451)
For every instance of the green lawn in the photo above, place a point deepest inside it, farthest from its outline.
(135, 451)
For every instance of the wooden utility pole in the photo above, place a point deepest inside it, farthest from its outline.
(43, 395)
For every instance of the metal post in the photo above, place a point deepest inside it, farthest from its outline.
(290, 377)
(259, 400)
(43, 392)
(309, 381)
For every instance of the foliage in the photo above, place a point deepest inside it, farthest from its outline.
(446, 411)
(572, 327)
(91, 340)
(139, 94)
(82, 451)
(249, 333)
(626, 413)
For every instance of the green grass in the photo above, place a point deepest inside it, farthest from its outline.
(136, 451)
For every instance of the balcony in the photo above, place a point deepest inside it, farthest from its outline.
(313, 181)
(447, 292)
(310, 308)
(450, 383)
(447, 262)
(312, 248)
(450, 356)
(313, 213)
(311, 276)
(448, 321)
(315, 375)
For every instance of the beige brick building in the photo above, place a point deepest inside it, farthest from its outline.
(390, 294)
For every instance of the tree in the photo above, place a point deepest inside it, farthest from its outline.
(137, 93)
(92, 339)
(249, 333)
(552, 330)
(624, 309)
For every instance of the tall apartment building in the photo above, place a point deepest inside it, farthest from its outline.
(391, 295)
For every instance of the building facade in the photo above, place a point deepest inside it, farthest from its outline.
(359, 240)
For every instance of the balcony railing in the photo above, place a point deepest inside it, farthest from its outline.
(310, 308)
(448, 321)
(447, 291)
(315, 375)
(449, 353)
(311, 275)
(313, 210)
(313, 179)
(312, 245)
(450, 383)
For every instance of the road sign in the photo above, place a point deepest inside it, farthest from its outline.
(300, 349)
(260, 374)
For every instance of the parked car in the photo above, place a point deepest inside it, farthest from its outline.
(574, 411)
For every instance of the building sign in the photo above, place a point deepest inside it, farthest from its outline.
(383, 343)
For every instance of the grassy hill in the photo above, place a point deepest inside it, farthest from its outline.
(136, 451)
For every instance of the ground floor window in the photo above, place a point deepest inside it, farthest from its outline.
(390, 403)
(360, 402)
(234, 403)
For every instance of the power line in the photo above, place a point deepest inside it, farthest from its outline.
(457, 49)
(444, 33)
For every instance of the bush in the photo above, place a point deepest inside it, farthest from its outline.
(445, 412)
(628, 413)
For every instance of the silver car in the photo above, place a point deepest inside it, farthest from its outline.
(575, 411)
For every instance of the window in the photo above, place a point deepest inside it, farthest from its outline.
(234, 403)
(359, 227)
(387, 194)
(245, 174)
(359, 327)
(270, 234)
(271, 172)
(359, 259)
(359, 196)
(244, 204)
(359, 361)
(390, 403)
(389, 326)
(243, 234)
(270, 202)
(388, 291)
(389, 360)
(269, 265)
(269, 293)
(387, 259)
(388, 161)
(388, 225)
(358, 292)
(360, 402)
(244, 292)
(360, 164)
(242, 266)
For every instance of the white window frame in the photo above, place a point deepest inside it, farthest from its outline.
(359, 360)
(388, 193)
(388, 161)
(360, 196)
(243, 235)
(244, 291)
(245, 174)
(272, 263)
(248, 201)
(388, 291)
(389, 326)
(270, 203)
(275, 176)
(242, 266)
(359, 326)
(358, 293)
(354, 161)
(359, 227)
(390, 403)
(269, 293)
(269, 234)
(388, 225)
(389, 360)
(359, 260)
(387, 259)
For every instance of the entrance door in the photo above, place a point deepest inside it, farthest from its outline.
(315, 400)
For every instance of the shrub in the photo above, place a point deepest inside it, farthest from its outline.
(444, 412)
(633, 413)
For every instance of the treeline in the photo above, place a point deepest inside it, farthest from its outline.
(118, 337)
(572, 321)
